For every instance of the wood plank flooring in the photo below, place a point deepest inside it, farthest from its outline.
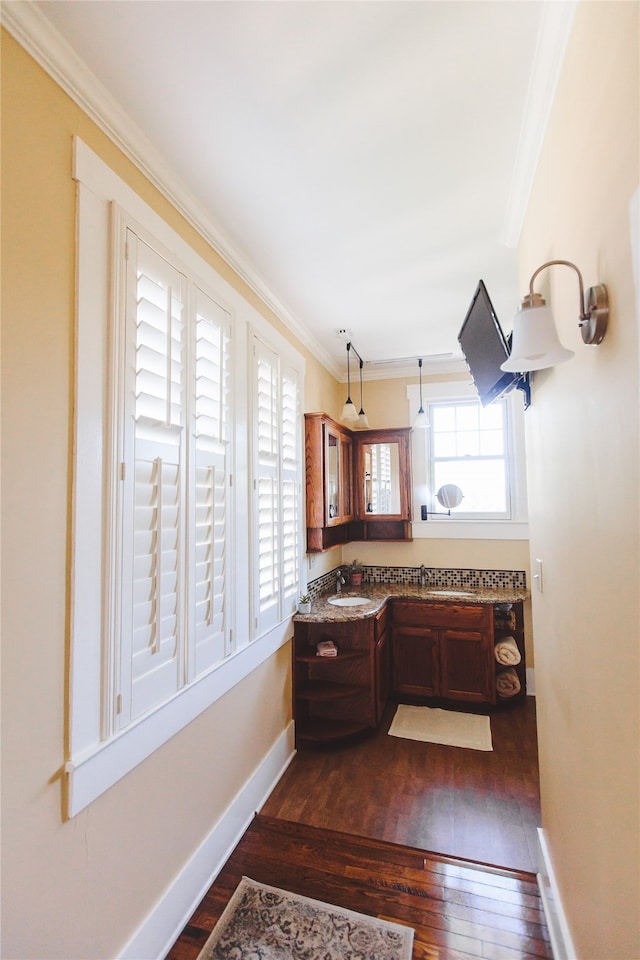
(458, 910)
(463, 803)
(395, 828)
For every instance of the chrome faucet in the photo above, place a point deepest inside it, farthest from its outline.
(340, 581)
(423, 575)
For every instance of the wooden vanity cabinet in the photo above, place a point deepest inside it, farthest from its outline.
(508, 621)
(334, 697)
(329, 482)
(443, 651)
(382, 634)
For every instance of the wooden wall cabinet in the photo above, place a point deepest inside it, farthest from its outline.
(329, 482)
(358, 484)
(382, 484)
(443, 650)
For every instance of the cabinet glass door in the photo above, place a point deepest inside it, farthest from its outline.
(381, 479)
(333, 476)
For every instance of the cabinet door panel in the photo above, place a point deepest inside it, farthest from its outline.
(433, 614)
(466, 659)
(415, 669)
(383, 673)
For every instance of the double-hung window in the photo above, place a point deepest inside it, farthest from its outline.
(478, 449)
(468, 447)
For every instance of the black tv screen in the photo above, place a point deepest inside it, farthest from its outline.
(484, 347)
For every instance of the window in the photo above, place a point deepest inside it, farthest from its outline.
(163, 577)
(467, 446)
(170, 482)
(479, 449)
(277, 486)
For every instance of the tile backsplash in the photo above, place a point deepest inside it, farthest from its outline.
(435, 577)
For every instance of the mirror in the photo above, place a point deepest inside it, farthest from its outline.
(332, 475)
(381, 479)
(450, 496)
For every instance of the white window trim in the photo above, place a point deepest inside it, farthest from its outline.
(94, 762)
(450, 528)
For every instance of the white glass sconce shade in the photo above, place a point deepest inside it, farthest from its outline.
(535, 344)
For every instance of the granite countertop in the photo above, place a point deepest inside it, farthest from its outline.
(377, 595)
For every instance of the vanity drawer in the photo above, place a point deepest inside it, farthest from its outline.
(427, 613)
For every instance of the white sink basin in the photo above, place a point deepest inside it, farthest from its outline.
(452, 593)
(348, 601)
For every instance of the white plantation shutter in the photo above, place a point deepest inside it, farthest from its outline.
(290, 465)
(170, 580)
(277, 487)
(151, 666)
(267, 480)
(209, 553)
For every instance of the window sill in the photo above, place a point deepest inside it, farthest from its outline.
(470, 530)
(90, 775)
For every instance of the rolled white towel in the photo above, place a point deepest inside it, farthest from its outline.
(506, 652)
(326, 648)
(507, 683)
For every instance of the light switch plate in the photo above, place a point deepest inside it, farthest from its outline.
(537, 574)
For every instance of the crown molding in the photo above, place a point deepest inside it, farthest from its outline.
(31, 29)
(553, 35)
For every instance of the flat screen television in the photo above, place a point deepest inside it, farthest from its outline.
(485, 347)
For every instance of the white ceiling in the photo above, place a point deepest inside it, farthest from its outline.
(364, 163)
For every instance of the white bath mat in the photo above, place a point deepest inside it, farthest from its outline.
(442, 726)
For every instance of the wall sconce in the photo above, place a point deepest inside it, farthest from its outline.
(363, 422)
(421, 421)
(534, 342)
(349, 412)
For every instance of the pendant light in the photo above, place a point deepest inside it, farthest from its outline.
(421, 422)
(349, 412)
(363, 422)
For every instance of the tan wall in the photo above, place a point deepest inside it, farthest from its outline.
(582, 455)
(385, 401)
(79, 889)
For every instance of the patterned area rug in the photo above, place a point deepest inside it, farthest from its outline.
(265, 923)
(442, 726)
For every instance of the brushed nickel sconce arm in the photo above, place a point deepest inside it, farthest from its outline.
(594, 308)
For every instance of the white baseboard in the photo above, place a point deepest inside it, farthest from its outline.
(559, 933)
(167, 919)
(531, 682)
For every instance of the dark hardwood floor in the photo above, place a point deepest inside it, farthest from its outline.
(439, 838)
(463, 803)
(458, 911)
